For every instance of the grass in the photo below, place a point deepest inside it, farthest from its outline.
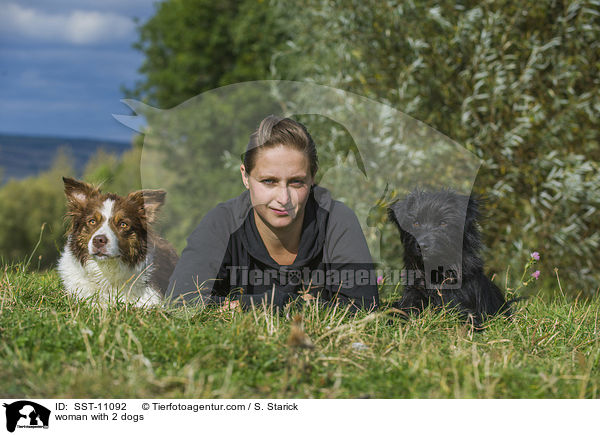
(52, 345)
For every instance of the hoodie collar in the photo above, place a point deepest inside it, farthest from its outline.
(312, 238)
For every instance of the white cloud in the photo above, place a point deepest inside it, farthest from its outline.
(77, 27)
(131, 8)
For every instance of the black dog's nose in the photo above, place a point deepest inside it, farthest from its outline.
(424, 245)
(100, 241)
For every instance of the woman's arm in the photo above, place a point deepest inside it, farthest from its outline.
(201, 274)
(197, 270)
(348, 259)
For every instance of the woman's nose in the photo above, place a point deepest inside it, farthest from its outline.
(283, 195)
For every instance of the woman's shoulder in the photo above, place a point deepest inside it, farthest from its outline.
(344, 239)
(338, 211)
(228, 215)
(237, 207)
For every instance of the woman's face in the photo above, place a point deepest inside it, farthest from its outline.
(279, 185)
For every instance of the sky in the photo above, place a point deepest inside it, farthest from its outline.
(63, 63)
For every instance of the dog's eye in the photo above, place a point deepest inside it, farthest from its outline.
(92, 221)
(123, 225)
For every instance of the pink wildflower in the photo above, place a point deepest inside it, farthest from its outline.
(535, 255)
(536, 274)
(379, 280)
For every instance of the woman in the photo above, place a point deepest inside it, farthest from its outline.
(282, 238)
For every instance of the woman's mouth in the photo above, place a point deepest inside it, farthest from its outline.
(280, 212)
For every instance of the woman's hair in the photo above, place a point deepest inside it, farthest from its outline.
(274, 131)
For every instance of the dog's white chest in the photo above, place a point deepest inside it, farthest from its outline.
(108, 280)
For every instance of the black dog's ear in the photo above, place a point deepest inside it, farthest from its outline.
(473, 213)
(392, 212)
(396, 212)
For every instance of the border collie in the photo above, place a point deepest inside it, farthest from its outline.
(111, 252)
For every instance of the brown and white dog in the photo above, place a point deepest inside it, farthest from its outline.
(111, 252)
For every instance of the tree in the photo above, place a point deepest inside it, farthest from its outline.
(191, 46)
(517, 84)
(31, 208)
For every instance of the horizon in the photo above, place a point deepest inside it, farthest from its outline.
(66, 136)
(29, 155)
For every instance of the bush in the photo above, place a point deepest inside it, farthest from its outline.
(517, 84)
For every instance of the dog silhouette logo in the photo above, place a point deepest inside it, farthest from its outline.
(26, 414)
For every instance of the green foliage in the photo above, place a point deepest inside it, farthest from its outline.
(517, 84)
(191, 46)
(550, 349)
(30, 206)
(115, 174)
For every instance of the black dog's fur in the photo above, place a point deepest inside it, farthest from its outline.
(441, 239)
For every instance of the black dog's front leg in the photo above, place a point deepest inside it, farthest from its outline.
(412, 302)
(463, 302)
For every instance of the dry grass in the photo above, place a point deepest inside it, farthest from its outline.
(51, 345)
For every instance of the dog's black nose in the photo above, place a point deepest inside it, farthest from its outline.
(424, 245)
(99, 241)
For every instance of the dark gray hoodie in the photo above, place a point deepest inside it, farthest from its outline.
(226, 257)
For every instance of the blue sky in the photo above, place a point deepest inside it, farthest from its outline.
(62, 63)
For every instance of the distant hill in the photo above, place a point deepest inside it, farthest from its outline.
(25, 156)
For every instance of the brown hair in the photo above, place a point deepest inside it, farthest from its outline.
(273, 131)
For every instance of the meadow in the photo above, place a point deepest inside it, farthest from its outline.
(52, 345)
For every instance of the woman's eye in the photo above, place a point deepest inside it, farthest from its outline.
(297, 183)
(268, 181)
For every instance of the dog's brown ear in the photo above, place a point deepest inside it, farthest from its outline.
(78, 192)
(150, 201)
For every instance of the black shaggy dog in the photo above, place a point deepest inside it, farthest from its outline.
(441, 240)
